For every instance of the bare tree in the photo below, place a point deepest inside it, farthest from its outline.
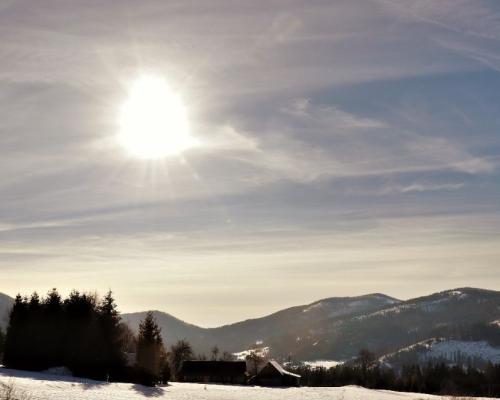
(179, 352)
(254, 359)
(215, 353)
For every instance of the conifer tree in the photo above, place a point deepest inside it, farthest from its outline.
(15, 352)
(150, 348)
(51, 330)
(34, 345)
(82, 350)
(111, 335)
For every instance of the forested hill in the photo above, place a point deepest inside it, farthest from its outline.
(336, 328)
(245, 334)
(5, 306)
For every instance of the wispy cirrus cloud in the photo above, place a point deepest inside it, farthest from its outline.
(327, 127)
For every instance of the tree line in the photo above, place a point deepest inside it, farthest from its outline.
(86, 335)
(432, 378)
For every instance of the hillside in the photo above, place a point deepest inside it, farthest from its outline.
(38, 386)
(337, 328)
(459, 313)
(5, 306)
(246, 334)
(476, 353)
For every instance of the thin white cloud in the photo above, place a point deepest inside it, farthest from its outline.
(422, 187)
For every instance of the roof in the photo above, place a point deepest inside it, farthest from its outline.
(281, 370)
(225, 368)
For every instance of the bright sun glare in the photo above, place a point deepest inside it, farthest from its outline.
(153, 120)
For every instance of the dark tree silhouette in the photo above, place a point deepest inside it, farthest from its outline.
(2, 344)
(112, 334)
(215, 353)
(150, 351)
(79, 333)
(179, 352)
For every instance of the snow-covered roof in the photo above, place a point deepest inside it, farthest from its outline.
(281, 370)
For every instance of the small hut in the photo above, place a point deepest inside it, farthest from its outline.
(274, 374)
(232, 372)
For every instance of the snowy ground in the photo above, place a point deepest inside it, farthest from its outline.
(49, 387)
(322, 363)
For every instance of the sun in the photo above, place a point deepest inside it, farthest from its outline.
(153, 120)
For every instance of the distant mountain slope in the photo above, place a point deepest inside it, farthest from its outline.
(245, 334)
(337, 328)
(173, 328)
(5, 306)
(451, 314)
(476, 353)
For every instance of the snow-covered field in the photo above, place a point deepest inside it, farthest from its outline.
(48, 387)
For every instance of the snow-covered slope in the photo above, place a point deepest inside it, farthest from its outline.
(47, 387)
(455, 350)
(259, 351)
(443, 350)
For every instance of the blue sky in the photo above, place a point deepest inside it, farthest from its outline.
(347, 147)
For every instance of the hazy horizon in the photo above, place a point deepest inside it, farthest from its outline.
(263, 312)
(223, 160)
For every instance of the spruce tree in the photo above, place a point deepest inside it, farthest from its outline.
(15, 355)
(33, 343)
(52, 331)
(149, 349)
(111, 336)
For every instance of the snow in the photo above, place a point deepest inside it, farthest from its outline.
(322, 363)
(433, 305)
(260, 351)
(448, 349)
(48, 387)
(319, 304)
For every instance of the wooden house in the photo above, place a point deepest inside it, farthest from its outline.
(273, 374)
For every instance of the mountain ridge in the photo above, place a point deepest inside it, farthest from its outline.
(336, 328)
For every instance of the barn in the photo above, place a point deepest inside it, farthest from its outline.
(273, 374)
(232, 372)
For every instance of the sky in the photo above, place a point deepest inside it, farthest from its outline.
(344, 147)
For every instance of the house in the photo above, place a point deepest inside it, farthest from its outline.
(273, 374)
(234, 372)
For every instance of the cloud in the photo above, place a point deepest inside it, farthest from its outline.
(471, 17)
(423, 187)
(315, 119)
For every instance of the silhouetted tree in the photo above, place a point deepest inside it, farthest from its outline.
(150, 348)
(53, 330)
(2, 344)
(77, 333)
(179, 352)
(365, 358)
(254, 360)
(112, 338)
(15, 355)
(214, 352)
